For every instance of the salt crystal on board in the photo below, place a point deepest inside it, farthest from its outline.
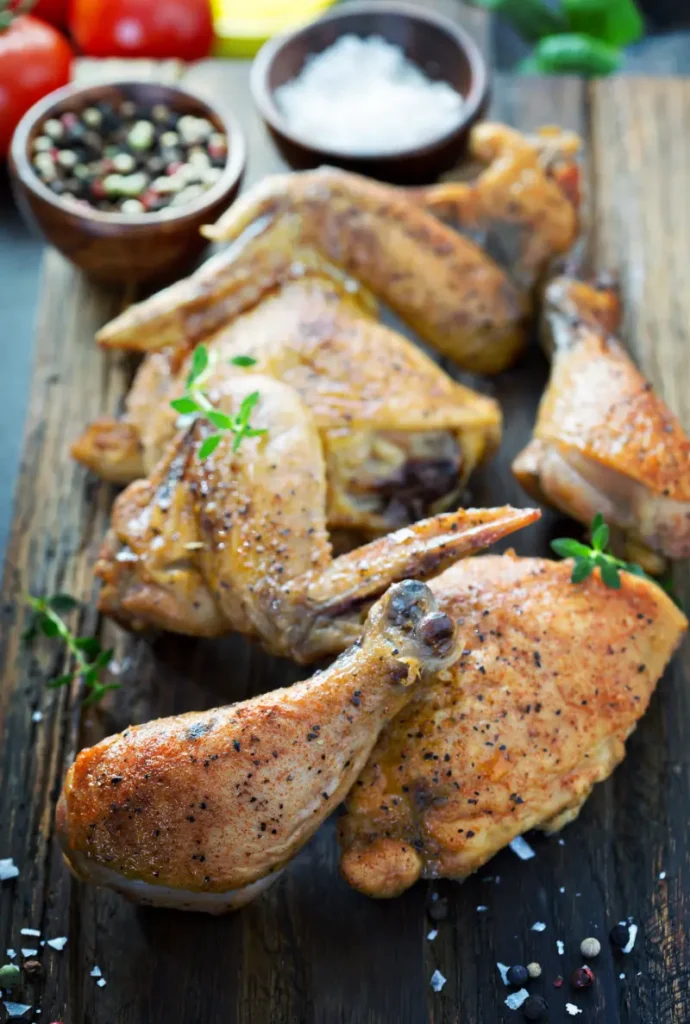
(538, 926)
(515, 1000)
(437, 981)
(560, 947)
(37, 716)
(29, 952)
(101, 982)
(522, 848)
(503, 971)
(96, 972)
(58, 944)
(572, 1009)
(30, 931)
(631, 940)
(432, 934)
(8, 869)
(17, 1009)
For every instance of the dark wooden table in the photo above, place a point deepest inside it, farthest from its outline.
(311, 950)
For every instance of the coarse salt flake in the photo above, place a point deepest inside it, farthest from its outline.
(8, 869)
(662, 875)
(12, 953)
(560, 947)
(503, 971)
(622, 977)
(481, 909)
(58, 944)
(437, 981)
(515, 1000)
(522, 848)
(17, 1009)
(101, 982)
(628, 947)
(30, 931)
(37, 716)
(538, 926)
(96, 972)
(572, 1009)
(432, 934)
(29, 952)
(363, 95)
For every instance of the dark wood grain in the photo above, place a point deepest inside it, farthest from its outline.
(311, 950)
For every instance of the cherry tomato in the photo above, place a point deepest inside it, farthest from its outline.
(142, 28)
(34, 60)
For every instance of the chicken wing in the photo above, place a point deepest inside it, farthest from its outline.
(400, 436)
(202, 811)
(552, 680)
(239, 541)
(443, 284)
(604, 441)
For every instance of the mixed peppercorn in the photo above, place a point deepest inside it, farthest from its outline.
(129, 158)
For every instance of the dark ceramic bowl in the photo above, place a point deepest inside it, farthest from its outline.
(118, 247)
(438, 46)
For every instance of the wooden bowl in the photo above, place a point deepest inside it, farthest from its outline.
(442, 50)
(118, 247)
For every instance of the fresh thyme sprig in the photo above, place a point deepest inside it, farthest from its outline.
(195, 402)
(587, 559)
(90, 660)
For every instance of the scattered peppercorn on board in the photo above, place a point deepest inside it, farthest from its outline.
(311, 950)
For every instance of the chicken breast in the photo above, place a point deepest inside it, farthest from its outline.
(201, 811)
(552, 679)
(604, 441)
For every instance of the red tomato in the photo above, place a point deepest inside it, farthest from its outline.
(54, 11)
(34, 60)
(142, 28)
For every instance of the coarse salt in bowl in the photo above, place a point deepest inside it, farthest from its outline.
(364, 96)
(378, 87)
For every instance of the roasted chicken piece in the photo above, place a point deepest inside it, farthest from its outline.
(552, 679)
(604, 441)
(239, 541)
(442, 284)
(202, 811)
(400, 437)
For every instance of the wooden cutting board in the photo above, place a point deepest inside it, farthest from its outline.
(311, 950)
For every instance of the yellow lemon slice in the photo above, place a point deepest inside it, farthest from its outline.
(243, 26)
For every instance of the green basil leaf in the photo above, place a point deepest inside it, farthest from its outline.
(567, 548)
(208, 446)
(184, 405)
(243, 361)
(581, 570)
(610, 575)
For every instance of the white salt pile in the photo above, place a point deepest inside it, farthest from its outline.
(364, 96)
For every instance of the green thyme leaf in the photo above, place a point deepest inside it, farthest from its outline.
(185, 405)
(104, 658)
(567, 548)
(219, 419)
(199, 364)
(62, 602)
(64, 680)
(610, 575)
(209, 446)
(243, 361)
(89, 645)
(581, 570)
(47, 626)
(600, 537)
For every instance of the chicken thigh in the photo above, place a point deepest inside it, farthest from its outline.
(239, 540)
(604, 441)
(552, 679)
(202, 811)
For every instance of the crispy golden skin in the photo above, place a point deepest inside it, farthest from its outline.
(239, 541)
(552, 679)
(604, 441)
(444, 285)
(400, 436)
(202, 811)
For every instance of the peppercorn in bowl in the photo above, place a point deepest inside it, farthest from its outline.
(120, 177)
